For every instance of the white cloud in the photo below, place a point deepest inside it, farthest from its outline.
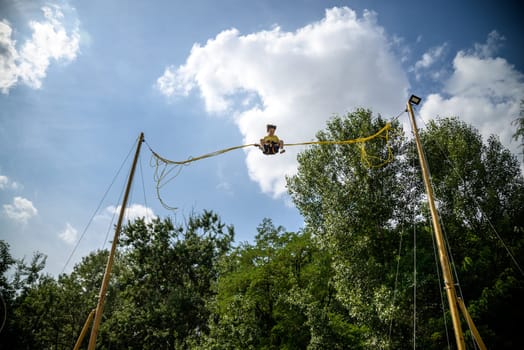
(428, 60)
(483, 91)
(8, 57)
(49, 41)
(69, 235)
(133, 212)
(4, 180)
(300, 78)
(21, 210)
(490, 48)
(6, 183)
(430, 57)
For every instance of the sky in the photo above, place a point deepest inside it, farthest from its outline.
(80, 80)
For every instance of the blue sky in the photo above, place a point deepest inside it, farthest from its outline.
(79, 80)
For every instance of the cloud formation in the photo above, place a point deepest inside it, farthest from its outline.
(483, 90)
(296, 80)
(21, 210)
(50, 40)
(69, 235)
(6, 183)
(428, 60)
(133, 212)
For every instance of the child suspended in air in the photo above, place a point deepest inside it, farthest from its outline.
(271, 144)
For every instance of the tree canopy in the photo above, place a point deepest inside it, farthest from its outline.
(361, 274)
(360, 215)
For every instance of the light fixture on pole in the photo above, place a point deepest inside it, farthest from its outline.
(414, 100)
(437, 230)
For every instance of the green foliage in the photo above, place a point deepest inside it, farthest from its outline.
(7, 291)
(278, 294)
(519, 123)
(79, 293)
(157, 297)
(345, 281)
(165, 282)
(351, 207)
(480, 192)
(360, 214)
(25, 305)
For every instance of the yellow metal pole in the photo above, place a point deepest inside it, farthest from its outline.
(84, 330)
(109, 266)
(471, 324)
(449, 285)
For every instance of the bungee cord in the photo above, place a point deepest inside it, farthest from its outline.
(166, 169)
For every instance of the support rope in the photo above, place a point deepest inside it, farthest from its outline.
(479, 207)
(166, 170)
(98, 208)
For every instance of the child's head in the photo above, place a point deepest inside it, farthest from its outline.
(271, 127)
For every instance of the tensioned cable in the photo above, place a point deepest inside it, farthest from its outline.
(414, 276)
(4, 317)
(455, 273)
(216, 153)
(436, 261)
(127, 213)
(113, 217)
(440, 288)
(448, 245)
(398, 116)
(508, 250)
(396, 278)
(98, 208)
(414, 224)
(130, 200)
(118, 207)
(412, 181)
(143, 183)
(164, 167)
(436, 257)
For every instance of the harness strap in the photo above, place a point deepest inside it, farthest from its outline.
(270, 148)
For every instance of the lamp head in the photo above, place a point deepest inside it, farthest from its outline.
(414, 100)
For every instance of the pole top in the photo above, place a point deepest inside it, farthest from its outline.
(414, 99)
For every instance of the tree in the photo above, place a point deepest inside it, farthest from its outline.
(359, 214)
(165, 283)
(480, 190)
(350, 208)
(519, 122)
(278, 294)
(46, 313)
(157, 297)
(25, 310)
(7, 292)
(79, 293)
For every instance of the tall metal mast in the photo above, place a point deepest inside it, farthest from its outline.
(455, 303)
(449, 284)
(105, 282)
